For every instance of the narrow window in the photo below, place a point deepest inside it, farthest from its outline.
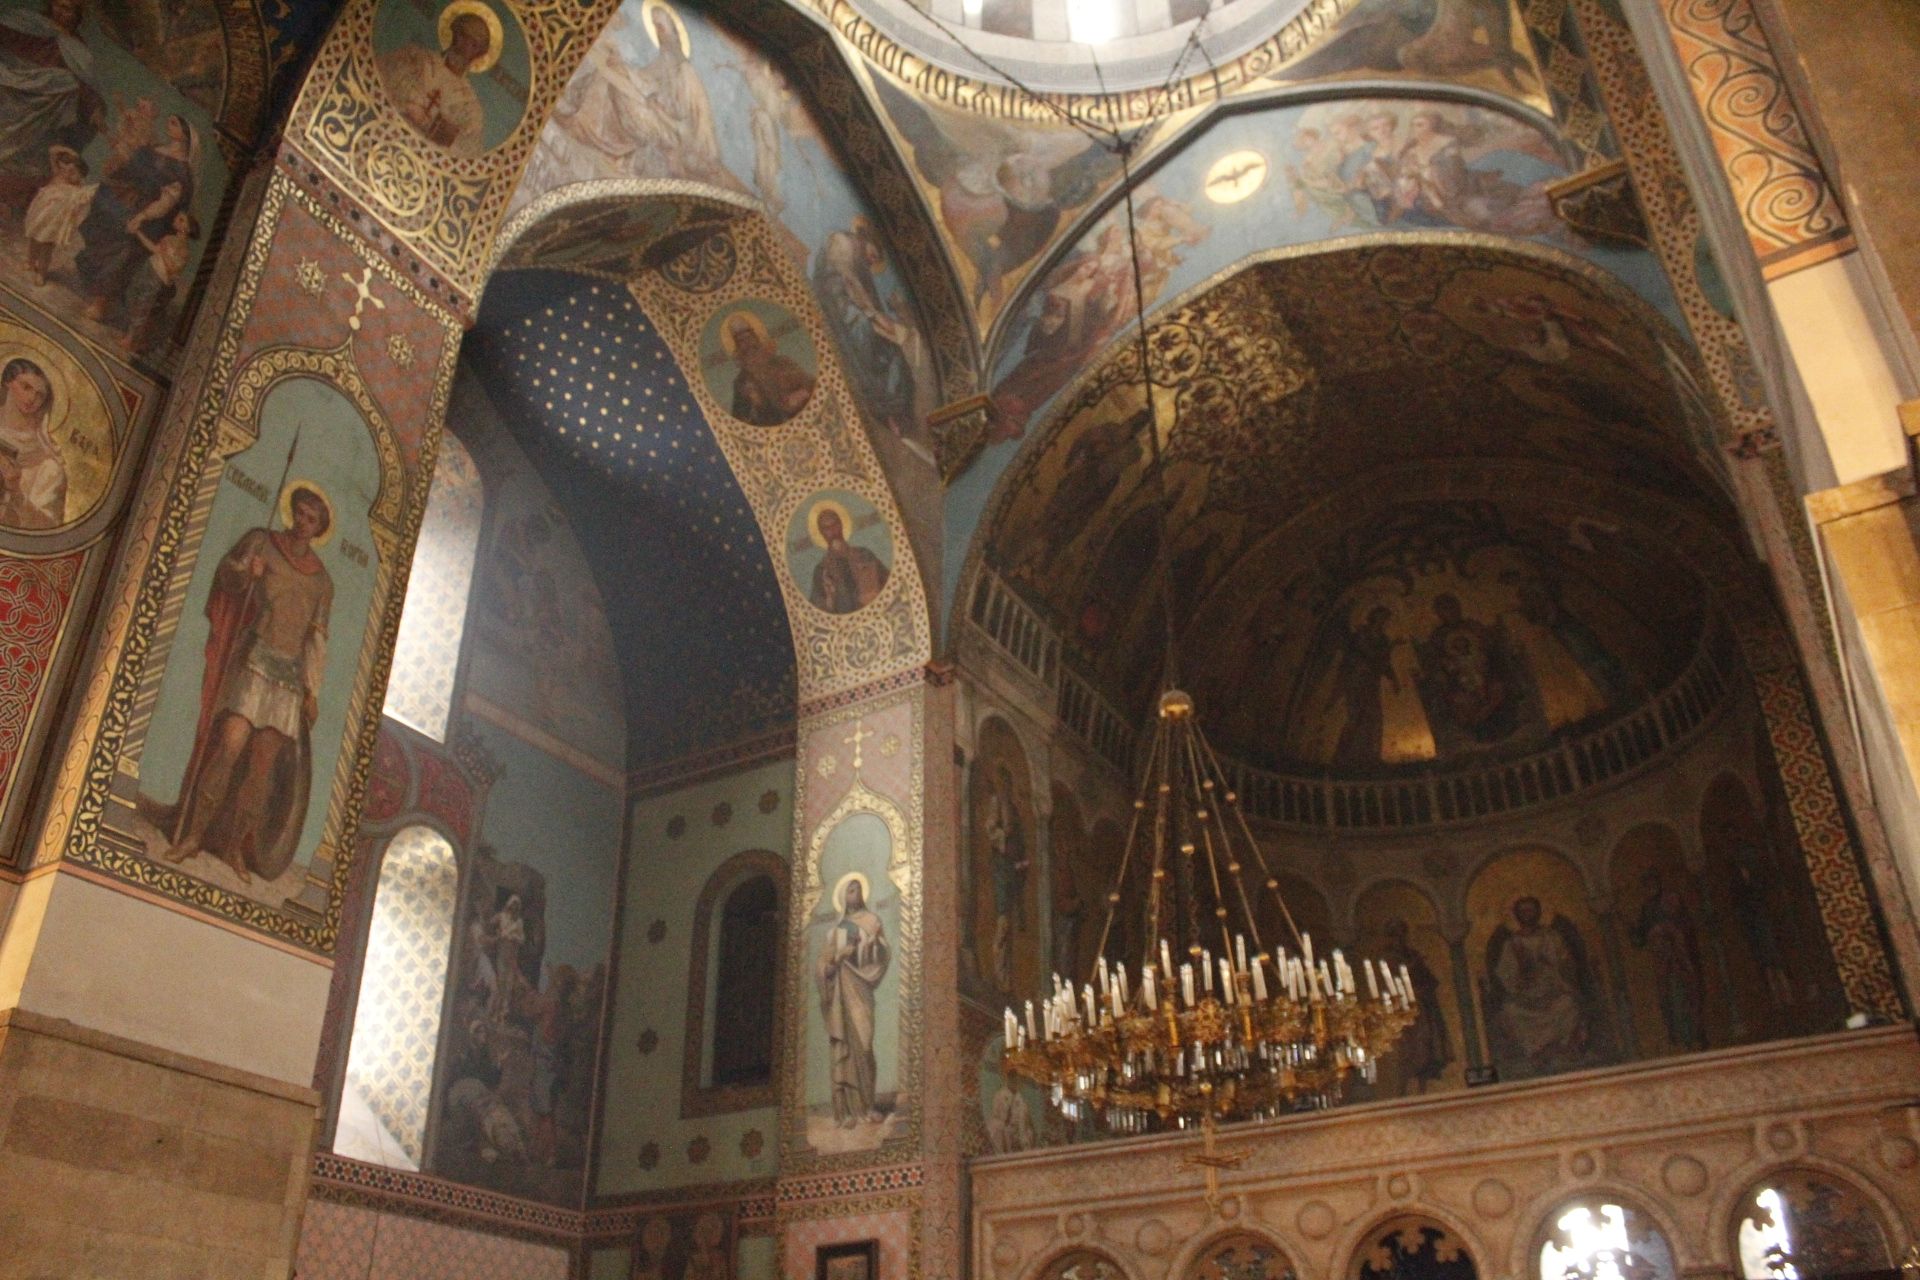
(426, 653)
(743, 991)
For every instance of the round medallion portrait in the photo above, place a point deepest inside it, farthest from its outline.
(758, 362)
(839, 551)
(457, 73)
(56, 438)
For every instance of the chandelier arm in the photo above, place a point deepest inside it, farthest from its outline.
(1161, 819)
(1203, 805)
(1232, 799)
(1240, 883)
(1115, 893)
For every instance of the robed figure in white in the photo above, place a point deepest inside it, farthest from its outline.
(850, 966)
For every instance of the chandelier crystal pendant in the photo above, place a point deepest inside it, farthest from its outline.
(1184, 1034)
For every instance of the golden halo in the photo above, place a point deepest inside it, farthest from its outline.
(647, 11)
(813, 521)
(840, 890)
(286, 509)
(496, 38)
(754, 323)
(54, 364)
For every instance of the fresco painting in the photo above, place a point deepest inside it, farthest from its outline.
(688, 1245)
(1535, 951)
(1675, 982)
(1013, 1110)
(1002, 191)
(851, 992)
(839, 551)
(759, 363)
(645, 105)
(456, 73)
(1482, 43)
(1401, 926)
(56, 437)
(1004, 868)
(109, 174)
(251, 720)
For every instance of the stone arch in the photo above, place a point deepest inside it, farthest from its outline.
(699, 1094)
(1555, 1203)
(1871, 1209)
(1080, 1262)
(1215, 1257)
(1376, 1236)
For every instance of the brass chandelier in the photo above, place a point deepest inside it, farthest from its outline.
(1187, 1035)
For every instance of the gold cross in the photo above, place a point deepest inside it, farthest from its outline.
(1211, 1160)
(859, 735)
(363, 294)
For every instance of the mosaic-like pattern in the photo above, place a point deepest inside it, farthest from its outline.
(397, 1022)
(426, 653)
(34, 598)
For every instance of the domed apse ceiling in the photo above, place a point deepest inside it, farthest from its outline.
(1395, 429)
(596, 400)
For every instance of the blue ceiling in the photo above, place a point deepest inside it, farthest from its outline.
(596, 400)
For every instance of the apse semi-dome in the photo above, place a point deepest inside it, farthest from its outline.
(1055, 44)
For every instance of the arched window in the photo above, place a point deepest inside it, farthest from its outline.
(1413, 1248)
(426, 653)
(1798, 1224)
(1602, 1239)
(396, 1024)
(733, 992)
(744, 994)
(1240, 1255)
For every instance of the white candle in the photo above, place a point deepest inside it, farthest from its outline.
(1326, 984)
(1226, 980)
(1306, 949)
(1186, 984)
(1373, 985)
(1206, 971)
(1240, 950)
(1030, 1027)
(1149, 991)
(1339, 970)
(1013, 1030)
(1120, 972)
(1166, 960)
(1406, 984)
(1102, 970)
(1093, 1016)
(1259, 978)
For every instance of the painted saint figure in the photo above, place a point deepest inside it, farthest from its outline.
(1008, 863)
(1540, 993)
(1009, 1119)
(134, 211)
(770, 387)
(848, 971)
(244, 797)
(849, 577)
(1665, 928)
(430, 87)
(33, 475)
(880, 343)
(1366, 664)
(1425, 1049)
(47, 95)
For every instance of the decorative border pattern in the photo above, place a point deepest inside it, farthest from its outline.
(354, 1182)
(1792, 214)
(36, 610)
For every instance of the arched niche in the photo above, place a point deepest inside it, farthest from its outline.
(1003, 919)
(1666, 953)
(1799, 1224)
(1602, 1237)
(391, 1056)
(1081, 1264)
(738, 961)
(1238, 1255)
(1412, 1247)
(1535, 949)
(1400, 925)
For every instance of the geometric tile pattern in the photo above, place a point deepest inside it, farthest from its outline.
(426, 653)
(345, 1242)
(396, 1026)
(893, 1230)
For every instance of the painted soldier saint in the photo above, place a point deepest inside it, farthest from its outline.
(244, 798)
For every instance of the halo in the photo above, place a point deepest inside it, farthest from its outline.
(286, 509)
(754, 322)
(840, 889)
(54, 364)
(647, 11)
(813, 520)
(496, 38)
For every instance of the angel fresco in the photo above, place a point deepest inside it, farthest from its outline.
(1003, 192)
(1542, 998)
(886, 356)
(1447, 39)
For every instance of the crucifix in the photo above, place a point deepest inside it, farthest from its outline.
(363, 294)
(859, 735)
(1213, 1161)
